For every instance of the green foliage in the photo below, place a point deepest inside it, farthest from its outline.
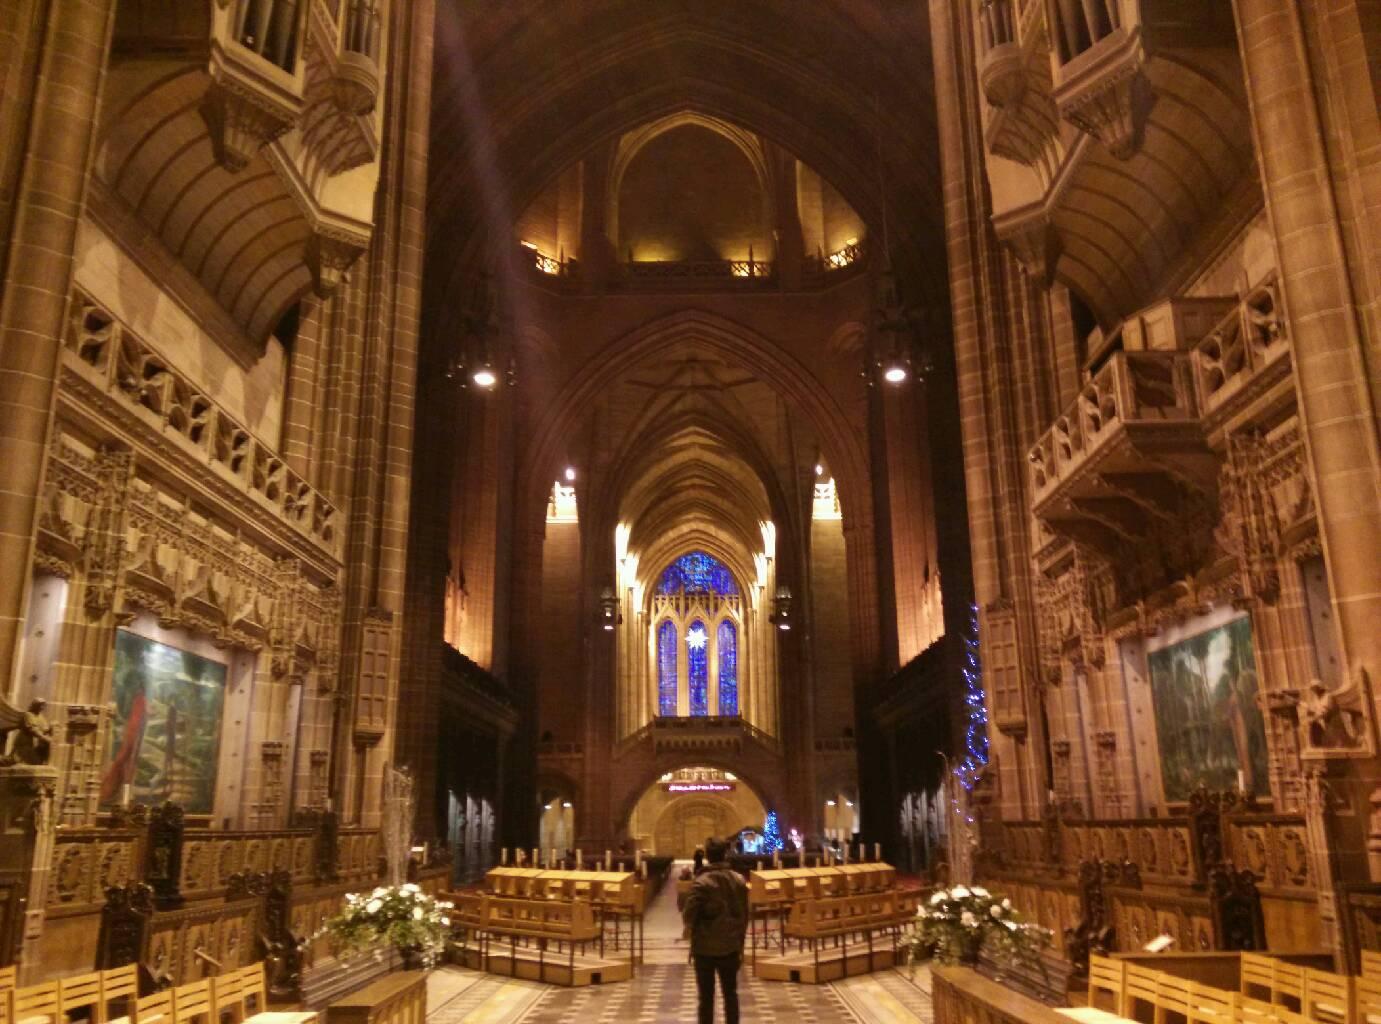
(402, 916)
(959, 922)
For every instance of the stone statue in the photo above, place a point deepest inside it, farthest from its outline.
(28, 736)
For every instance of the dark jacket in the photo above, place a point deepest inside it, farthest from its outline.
(716, 912)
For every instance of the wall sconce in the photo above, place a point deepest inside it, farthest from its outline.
(781, 608)
(609, 614)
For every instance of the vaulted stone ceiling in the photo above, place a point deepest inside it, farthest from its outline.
(525, 89)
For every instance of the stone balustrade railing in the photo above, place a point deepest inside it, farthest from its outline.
(108, 354)
(1131, 388)
(1249, 341)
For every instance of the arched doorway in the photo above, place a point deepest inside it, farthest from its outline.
(683, 808)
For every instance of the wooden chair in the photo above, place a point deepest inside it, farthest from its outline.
(1368, 990)
(8, 976)
(1250, 1011)
(119, 991)
(155, 1008)
(1371, 964)
(1328, 998)
(1287, 990)
(79, 998)
(227, 998)
(36, 1004)
(1107, 975)
(1138, 989)
(1172, 998)
(1258, 976)
(192, 1002)
(1209, 1005)
(254, 1005)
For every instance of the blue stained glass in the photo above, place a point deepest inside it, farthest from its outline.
(698, 660)
(666, 669)
(728, 668)
(697, 573)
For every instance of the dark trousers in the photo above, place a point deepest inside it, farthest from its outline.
(706, 967)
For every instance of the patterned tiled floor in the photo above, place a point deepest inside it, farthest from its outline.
(663, 992)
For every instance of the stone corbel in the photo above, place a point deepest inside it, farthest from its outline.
(1033, 240)
(330, 253)
(1111, 98)
(242, 119)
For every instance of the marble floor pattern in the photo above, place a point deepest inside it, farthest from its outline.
(663, 992)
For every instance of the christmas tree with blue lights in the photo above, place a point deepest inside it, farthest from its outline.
(975, 757)
(771, 834)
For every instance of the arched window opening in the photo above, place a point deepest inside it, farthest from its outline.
(698, 662)
(666, 668)
(727, 643)
(697, 573)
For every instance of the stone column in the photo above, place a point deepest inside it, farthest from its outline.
(993, 466)
(27, 836)
(38, 280)
(1292, 118)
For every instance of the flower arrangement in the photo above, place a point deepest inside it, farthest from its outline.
(404, 916)
(959, 922)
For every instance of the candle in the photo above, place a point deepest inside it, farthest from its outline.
(125, 795)
(579, 859)
(642, 869)
(608, 860)
(1241, 781)
(877, 852)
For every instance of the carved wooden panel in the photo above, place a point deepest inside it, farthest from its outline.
(371, 693)
(1002, 669)
(85, 865)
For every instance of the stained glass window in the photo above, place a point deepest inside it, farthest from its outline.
(697, 573)
(698, 660)
(728, 668)
(666, 668)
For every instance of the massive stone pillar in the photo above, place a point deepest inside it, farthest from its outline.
(1293, 118)
(38, 279)
(993, 475)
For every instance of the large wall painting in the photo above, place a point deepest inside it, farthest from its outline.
(1209, 724)
(166, 733)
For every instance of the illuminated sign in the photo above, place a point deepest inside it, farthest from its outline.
(699, 787)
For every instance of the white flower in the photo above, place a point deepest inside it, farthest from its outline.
(968, 920)
(372, 907)
(959, 892)
(982, 893)
(409, 887)
(446, 921)
(1006, 904)
(939, 897)
(1011, 925)
(417, 913)
(996, 911)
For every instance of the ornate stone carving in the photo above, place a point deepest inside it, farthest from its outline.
(330, 253)
(242, 117)
(1337, 723)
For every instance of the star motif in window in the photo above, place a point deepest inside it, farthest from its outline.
(696, 639)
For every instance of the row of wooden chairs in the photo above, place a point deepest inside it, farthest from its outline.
(1271, 990)
(112, 997)
(837, 915)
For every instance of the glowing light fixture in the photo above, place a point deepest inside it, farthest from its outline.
(781, 608)
(819, 469)
(696, 639)
(570, 473)
(609, 614)
(484, 375)
(894, 370)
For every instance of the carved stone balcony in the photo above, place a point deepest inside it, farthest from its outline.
(117, 366)
(285, 92)
(1245, 355)
(1127, 456)
(1118, 115)
(712, 734)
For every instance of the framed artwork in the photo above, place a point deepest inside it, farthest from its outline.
(165, 737)
(1203, 689)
